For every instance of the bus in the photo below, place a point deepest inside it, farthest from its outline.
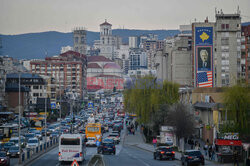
(7, 131)
(72, 147)
(94, 130)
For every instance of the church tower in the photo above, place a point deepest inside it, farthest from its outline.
(106, 40)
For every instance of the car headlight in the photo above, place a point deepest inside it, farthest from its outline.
(8, 153)
(18, 152)
(2, 159)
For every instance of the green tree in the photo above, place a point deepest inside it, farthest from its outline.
(237, 104)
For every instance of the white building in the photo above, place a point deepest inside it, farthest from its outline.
(66, 48)
(133, 42)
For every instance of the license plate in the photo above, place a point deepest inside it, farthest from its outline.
(196, 158)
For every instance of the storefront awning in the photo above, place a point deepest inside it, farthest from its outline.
(224, 142)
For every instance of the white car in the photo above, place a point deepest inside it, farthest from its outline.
(91, 141)
(115, 137)
(32, 143)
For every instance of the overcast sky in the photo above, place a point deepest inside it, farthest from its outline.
(25, 16)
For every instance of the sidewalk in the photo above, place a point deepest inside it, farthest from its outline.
(137, 141)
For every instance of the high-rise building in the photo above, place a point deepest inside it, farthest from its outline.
(137, 59)
(80, 43)
(245, 52)
(228, 48)
(2, 84)
(133, 42)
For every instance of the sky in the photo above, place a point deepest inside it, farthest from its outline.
(29, 16)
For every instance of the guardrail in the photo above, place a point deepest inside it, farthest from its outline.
(33, 153)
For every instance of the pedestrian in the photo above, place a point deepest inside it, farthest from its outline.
(192, 144)
(154, 142)
(210, 152)
(133, 131)
(236, 158)
(205, 148)
(248, 161)
(136, 125)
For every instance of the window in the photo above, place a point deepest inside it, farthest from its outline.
(35, 94)
(35, 87)
(222, 26)
(227, 26)
(76, 39)
(70, 141)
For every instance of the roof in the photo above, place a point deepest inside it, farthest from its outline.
(70, 52)
(111, 66)
(23, 75)
(98, 59)
(104, 75)
(106, 23)
(205, 105)
(93, 65)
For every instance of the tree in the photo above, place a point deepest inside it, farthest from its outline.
(237, 104)
(181, 120)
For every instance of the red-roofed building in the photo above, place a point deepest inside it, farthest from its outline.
(68, 70)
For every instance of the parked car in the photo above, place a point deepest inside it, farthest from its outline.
(13, 151)
(192, 157)
(163, 152)
(32, 143)
(4, 159)
(107, 147)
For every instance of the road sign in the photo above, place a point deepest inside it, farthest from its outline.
(90, 104)
(53, 105)
(75, 163)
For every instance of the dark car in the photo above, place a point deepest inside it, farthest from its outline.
(4, 159)
(163, 152)
(29, 135)
(13, 151)
(107, 147)
(82, 131)
(7, 145)
(192, 157)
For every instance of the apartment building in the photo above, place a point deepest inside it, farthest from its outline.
(245, 52)
(68, 71)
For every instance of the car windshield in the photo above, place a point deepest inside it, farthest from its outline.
(113, 135)
(14, 141)
(32, 141)
(108, 144)
(194, 153)
(14, 148)
(8, 144)
(2, 154)
(30, 135)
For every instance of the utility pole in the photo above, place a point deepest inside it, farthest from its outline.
(19, 119)
(45, 126)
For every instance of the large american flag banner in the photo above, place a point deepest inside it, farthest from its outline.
(205, 79)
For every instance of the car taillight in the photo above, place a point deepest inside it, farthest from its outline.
(162, 152)
(173, 152)
(105, 147)
(113, 146)
(189, 157)
(59, 154)
(80, 154)
(202, 156)
(117, 136)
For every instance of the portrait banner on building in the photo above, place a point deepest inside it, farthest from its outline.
(204, 56)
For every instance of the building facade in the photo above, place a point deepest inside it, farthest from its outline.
(137, 59)
(68, 71)
(228, 48)
(80, 41)
(245, 53)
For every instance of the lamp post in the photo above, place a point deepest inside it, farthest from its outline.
(19, 119)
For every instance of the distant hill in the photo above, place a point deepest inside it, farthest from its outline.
(35, 45)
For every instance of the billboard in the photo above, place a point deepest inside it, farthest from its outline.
(204, 56)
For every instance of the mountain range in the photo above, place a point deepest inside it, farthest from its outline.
(40, 45)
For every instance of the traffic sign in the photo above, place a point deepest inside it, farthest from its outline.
(53, 105)
(90, 104)
(98, 143)
(75, 163)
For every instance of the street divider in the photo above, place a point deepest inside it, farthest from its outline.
(96, 160)
(33, 153)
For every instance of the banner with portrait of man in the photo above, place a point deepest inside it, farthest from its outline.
(204, 58)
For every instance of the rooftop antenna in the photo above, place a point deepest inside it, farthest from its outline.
(215, 10)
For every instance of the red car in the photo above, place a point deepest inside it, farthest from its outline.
(4, 159)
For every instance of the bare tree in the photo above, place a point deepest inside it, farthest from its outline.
(181, 120)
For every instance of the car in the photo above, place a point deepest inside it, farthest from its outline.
(107, 147)
(82, 131)
(43, 132)
(29, 135)
(32, 143)
(115, 137)
(15, 140)
(163, 152)
(192, 157)
(38, 134)
(31, 130)
(13, 151)
(91, 141)
(116, 132)
(4, 159)
(7, 145)
(54, 134)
